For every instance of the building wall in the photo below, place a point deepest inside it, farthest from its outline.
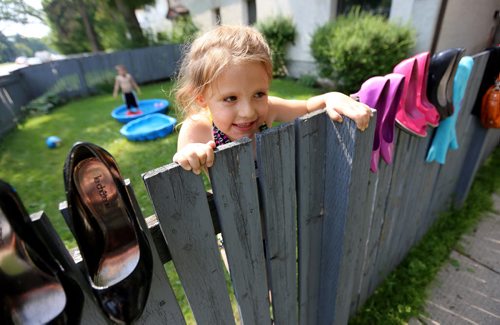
(153, 18)
(468, 24)
(307, 16)
(464, 24)
(422, 15)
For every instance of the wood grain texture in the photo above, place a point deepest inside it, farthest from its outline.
(348, 153)
(181, 206)
(476, 133)
(161, 306)
(276, 180)
(310, 139)
(236, 199)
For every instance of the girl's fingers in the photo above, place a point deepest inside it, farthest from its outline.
(334, 115)
(196, 157)
(182, 161)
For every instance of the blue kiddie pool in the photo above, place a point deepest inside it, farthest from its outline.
(146, 107)
(149, 127)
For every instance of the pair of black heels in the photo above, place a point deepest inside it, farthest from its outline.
(116, 253)
(442, 69)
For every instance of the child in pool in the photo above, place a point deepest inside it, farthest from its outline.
(222, 91)
(126, 83)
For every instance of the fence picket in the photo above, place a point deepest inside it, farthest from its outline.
(476, 134)
(310, 137)
(162, 306)
(348, 153)
(180, 203)
(236, 198)
(276, 179)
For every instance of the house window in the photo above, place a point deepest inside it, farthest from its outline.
(252, 12)
(380, 7)
(216, 16)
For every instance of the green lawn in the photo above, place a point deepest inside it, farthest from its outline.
(36, 171)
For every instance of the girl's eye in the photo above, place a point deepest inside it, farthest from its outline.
(260, 94)
(230, 99)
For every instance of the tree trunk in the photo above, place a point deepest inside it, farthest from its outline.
(131, 23)
(95, 45)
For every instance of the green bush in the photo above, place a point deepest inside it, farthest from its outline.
(358, 46)
(43, 104)
(279, 32)
(184, 30)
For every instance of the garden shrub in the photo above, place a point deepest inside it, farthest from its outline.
(184, 30)
(279, 33)
(43, 104)
(358, 46)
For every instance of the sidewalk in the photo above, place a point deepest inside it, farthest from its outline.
(467, 289)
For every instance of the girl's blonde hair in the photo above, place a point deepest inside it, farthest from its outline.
(210, 54)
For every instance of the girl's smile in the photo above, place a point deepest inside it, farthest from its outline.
(238, 99)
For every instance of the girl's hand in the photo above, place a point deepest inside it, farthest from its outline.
(338, 104)
(196, 156)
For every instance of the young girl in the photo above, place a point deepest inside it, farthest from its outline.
(222, 91)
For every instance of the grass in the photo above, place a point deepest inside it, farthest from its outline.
(36, 171)
(403, 293)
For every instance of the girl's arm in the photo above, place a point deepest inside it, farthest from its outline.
(195, 145)
(336, 104)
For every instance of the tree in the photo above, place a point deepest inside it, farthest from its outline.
(19, 11)
(127, 9)
(72, 24)
(7, 50)
(89, 27)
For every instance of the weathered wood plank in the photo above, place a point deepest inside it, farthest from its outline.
(162, 305)
(381, 183)
(310, 139)
(475, 131)
(276, 179)
(392, 207)
(159, 240)
(91, 312)
(236, 198)
(347, 153)
(180, 204)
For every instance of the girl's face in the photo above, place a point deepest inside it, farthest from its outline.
(237, 99)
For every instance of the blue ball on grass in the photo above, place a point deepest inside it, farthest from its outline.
(53, 142)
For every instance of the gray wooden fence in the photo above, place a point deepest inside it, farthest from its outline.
(311, 224)
(79, 76)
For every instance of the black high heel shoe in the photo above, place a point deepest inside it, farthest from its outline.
(115, 251)
(34, 289)
(440, 80)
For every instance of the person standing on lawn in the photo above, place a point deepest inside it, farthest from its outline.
(126, 83)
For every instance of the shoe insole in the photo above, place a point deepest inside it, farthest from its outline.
(99, 194)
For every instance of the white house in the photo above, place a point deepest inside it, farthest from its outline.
(440, 24)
